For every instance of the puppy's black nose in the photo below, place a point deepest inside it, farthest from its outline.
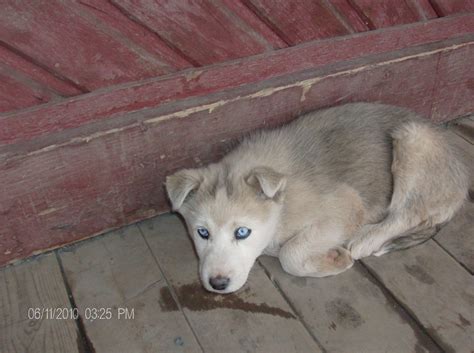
(219, 282)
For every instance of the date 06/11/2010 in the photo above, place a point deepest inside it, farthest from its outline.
(90, 314)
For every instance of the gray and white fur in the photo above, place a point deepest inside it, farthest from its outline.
(330, 187)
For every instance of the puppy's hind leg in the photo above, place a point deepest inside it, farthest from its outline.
(430, 185)
(311, 254)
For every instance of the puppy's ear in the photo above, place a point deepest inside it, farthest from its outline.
(268, 181)
(180, 184)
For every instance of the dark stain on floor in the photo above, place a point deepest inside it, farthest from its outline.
(194, 297)
(343, 313)
(299, 281)
(471, 195)
(464, 322)
(419, 273)
(166, 300)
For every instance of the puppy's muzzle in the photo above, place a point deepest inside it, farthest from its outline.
(219, 282)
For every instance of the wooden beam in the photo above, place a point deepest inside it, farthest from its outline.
(116, 101)
(78, 183)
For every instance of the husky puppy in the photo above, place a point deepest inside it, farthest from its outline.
(330, 187)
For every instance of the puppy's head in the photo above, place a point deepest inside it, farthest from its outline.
(230, 217)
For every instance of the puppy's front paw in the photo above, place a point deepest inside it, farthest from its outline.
(359, 248)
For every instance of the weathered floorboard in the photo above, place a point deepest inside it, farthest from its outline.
(350, 313)
(256, 319)
(434, 288)
(118, 271)
(465, 128)
(36, 283)
(457, 236)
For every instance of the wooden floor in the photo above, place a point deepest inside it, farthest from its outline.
(136, 289)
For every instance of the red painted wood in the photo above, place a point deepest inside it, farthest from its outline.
(57, 36)
(350, 15)
(380, 14)
(454, 93)
(102, 105)
(201, 30)
(135, 33)
(240, 9)
(424, 9)
(449, 7)
(16, 93)
(17, 63)
(299, 21)
(106, 178)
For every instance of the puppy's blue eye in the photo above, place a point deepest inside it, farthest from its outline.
(203, 232)
(242, 232)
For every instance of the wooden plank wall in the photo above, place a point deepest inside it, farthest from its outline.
(107, 104)
(67, 186)
(51, 49)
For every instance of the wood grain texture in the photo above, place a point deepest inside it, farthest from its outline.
(344, 8)
(350, 306)
(449, 7)
(109, 103)
(36, 283)
(17, 91)
(380, 14)
(450, 94)
(137, 35)
(59, 38)
(105, 176)
(259, 26)
(255, 319)
(425, 9)
(16, 62)
(446, 289)
(299, 21)
(201, 30)
(119, 271)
